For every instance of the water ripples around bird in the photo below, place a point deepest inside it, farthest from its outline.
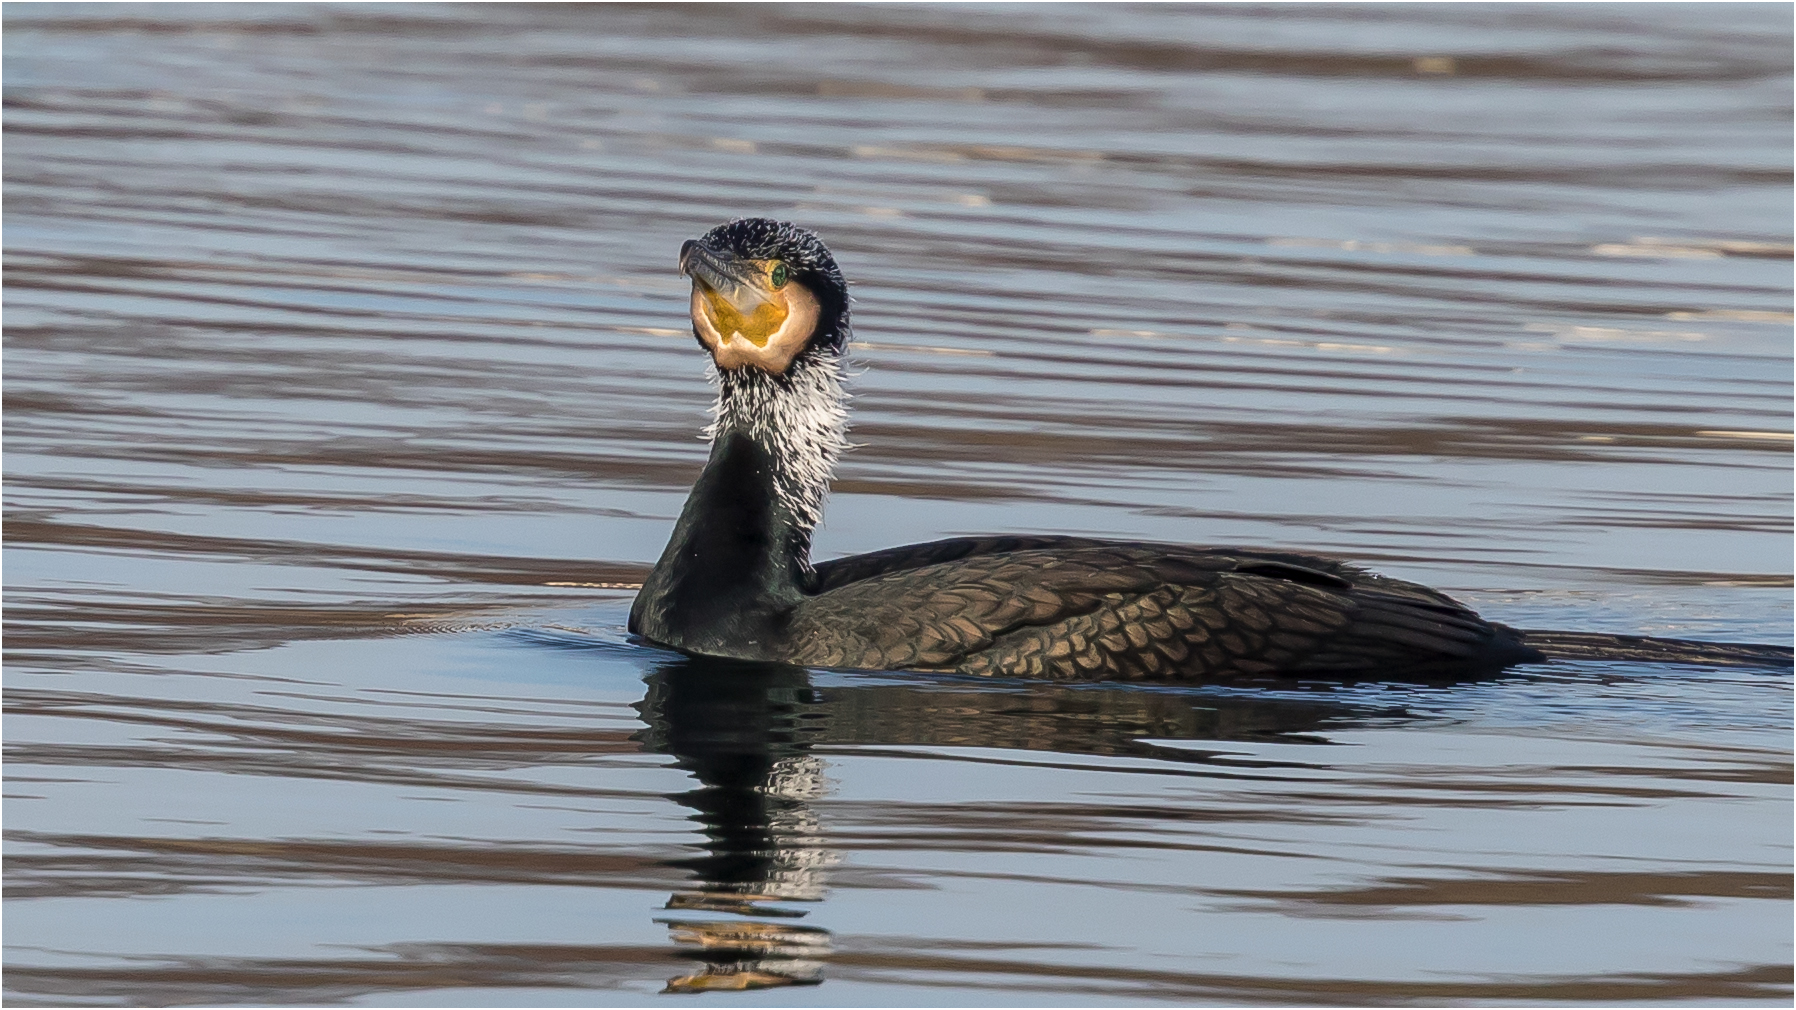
(349, 395)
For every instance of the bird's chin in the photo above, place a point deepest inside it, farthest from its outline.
(773, 352)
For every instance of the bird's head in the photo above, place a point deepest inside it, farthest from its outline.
(765, 294)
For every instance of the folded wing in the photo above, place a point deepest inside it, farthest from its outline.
(1073, 609)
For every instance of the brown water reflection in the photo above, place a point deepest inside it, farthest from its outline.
(761, 744)
(546, 973)
(348, 397)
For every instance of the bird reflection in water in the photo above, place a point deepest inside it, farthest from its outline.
(746, 731)
(743, 730)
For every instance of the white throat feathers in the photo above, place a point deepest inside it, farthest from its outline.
(801, 418)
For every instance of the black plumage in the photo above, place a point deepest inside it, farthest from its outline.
(735, 579)
(1066, 608)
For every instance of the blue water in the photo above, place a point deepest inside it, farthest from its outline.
(349, 394)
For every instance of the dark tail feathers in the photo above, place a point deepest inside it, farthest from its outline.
(1591, 645)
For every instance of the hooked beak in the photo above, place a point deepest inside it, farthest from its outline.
(740, 317)
(731, 278)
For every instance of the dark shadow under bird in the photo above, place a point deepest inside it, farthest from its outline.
(771, 307)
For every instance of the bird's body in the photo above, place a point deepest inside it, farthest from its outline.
(1067, 608)
(736, 579)
(734, 582)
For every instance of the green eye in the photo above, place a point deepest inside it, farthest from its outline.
(778, 276)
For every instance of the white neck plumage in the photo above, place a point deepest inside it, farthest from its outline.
(801, 418)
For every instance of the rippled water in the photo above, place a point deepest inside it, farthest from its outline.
(348, 394)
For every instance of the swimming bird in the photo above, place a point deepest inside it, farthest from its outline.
(771, 308)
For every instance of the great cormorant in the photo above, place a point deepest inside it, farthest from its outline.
(771, 307)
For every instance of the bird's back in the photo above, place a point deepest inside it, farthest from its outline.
(1068, 608)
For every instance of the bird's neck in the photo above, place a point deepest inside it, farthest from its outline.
(739, 558)
(800, 419)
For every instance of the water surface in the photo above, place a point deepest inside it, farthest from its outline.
(349, 395)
